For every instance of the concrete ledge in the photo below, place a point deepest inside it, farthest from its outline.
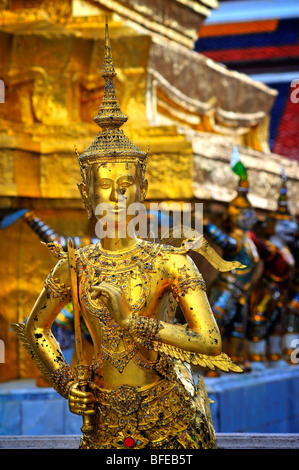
(257, 441)
(224, 440)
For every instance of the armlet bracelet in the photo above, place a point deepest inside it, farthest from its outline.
(181, 288)
(58, 289)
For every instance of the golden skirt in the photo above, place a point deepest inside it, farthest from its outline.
(160, 416)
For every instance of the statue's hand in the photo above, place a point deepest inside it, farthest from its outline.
(115, 300)
(80, 401)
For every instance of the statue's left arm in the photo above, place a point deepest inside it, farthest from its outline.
(201, 334)
(198, 342)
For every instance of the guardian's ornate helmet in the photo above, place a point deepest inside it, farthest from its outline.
(241, 201)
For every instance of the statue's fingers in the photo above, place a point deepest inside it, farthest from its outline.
(81, 403)
(77, 393)
(89, 412)
(105, 290)
(99, 291)
(81, 408)
(113, 288)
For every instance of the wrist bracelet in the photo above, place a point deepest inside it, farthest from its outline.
(140, 325)
(62, 379)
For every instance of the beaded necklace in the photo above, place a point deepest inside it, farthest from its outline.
(96, 265)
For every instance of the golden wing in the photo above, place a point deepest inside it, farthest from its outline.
(222, 361)
(52, 378)
(199, 244)
(19, 329)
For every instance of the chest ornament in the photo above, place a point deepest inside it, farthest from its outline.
(131, 271)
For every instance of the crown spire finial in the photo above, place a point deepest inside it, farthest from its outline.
(111, 144)
(110, 114)
(107, 38)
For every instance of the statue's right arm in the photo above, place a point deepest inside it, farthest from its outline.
(51, 300)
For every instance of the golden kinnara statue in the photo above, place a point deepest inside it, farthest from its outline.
(139, 390)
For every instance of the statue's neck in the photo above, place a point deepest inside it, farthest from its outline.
(118, 244)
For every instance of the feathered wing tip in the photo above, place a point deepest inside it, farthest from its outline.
(198, 243)
(221, 361)
(201, 246)
(19, 329)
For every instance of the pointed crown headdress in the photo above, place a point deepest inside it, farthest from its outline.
(283, 211)
(111, 144)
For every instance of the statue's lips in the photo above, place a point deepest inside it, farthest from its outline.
(117, 210)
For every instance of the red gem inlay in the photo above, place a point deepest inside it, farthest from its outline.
(129, 442)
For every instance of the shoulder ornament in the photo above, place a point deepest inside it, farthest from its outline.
(56, 250)
(58, 289)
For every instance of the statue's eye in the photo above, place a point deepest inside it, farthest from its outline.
(104, 185)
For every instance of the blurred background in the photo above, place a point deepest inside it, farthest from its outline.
(197, 79)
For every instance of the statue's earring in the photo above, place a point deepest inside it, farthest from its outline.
(144, 190)
(85, 199)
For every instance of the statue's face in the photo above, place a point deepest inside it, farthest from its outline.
(116, 185)
(246, 219)
(286, 230)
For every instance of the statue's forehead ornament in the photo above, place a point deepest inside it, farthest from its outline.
(111, 144)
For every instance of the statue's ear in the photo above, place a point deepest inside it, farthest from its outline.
(85, 198)
(144, 190)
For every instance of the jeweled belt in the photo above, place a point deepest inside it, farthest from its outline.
(127, 399)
